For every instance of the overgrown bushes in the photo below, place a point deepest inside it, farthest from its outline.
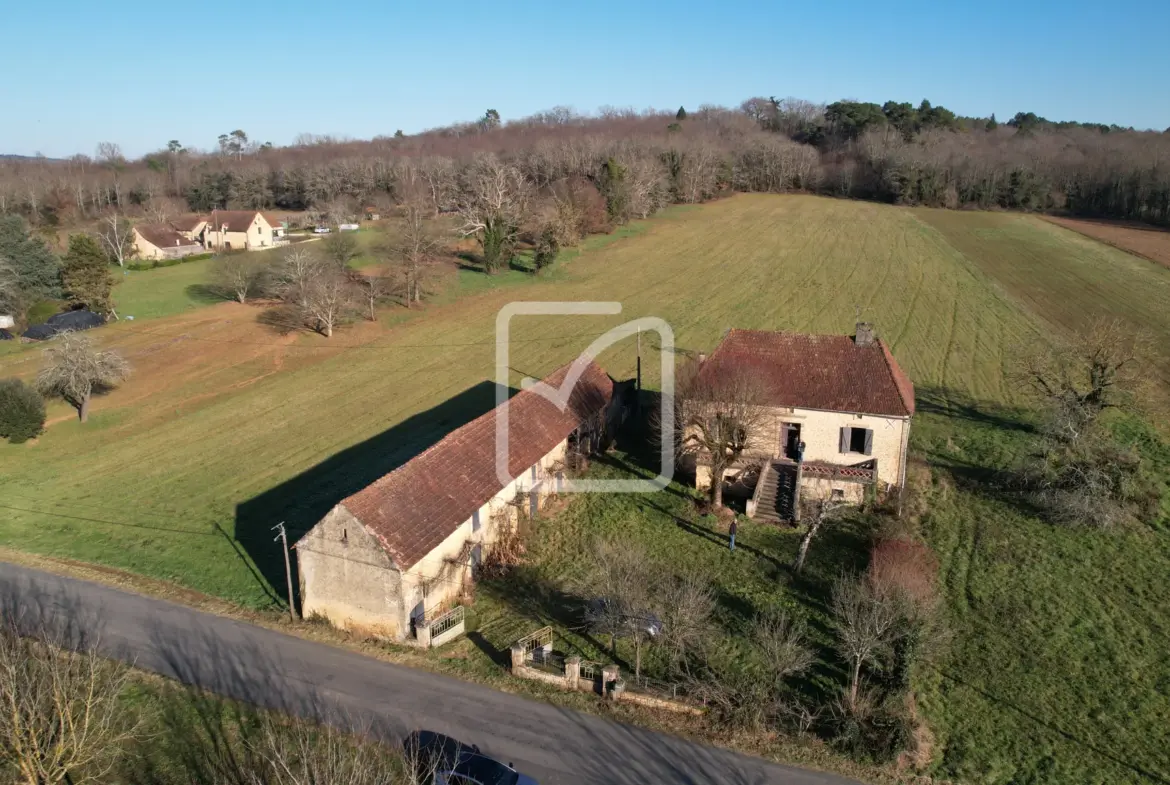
(22, 411)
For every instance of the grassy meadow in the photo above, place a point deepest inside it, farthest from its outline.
(1059, 670)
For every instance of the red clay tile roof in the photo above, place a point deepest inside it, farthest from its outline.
(828, 372)
(162, 236)
(187, 223)
(234, 220)
(418, 505)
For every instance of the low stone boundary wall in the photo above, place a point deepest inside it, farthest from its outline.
(604, 680)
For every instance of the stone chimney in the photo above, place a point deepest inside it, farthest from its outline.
(702, 357)
(865, 334)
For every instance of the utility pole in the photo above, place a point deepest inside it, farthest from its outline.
(282, 537)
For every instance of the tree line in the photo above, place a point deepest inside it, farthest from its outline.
(893, 152)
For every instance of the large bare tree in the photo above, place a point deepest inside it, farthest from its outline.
(61, 712)
(329, 300)
(866, 619)
(493, 204)
(721, 410)
(117, 237)
(238, 275)
(1096, 370)
(412, 245)
(74, 369)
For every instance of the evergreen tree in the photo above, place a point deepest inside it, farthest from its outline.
(37, 267)
(85, 275)
(992, 124)
(681, 114)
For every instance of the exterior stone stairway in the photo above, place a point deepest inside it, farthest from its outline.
(773, 499)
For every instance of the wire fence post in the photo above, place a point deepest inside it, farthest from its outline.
(282, 538)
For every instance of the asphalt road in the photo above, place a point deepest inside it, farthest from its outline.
(266, 668)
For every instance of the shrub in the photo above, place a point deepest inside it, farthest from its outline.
(547, 249)
(41, 312)
(906, 568)
(22, 411)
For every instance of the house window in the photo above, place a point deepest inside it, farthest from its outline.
(857, 440)
(475, 522)
(534, 472)
(257, 230)
(838, 494)
(344, 537)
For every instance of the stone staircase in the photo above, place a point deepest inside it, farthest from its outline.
(773, 499)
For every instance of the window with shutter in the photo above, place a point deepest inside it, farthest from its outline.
(844, 445)
(868, 449)
(860, 440)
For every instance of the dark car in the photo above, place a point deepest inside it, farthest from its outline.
(442, 760)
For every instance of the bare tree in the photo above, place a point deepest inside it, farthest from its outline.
(294, 274)
(720, 411)
(117, 237)
(238, 275)
(827, 510)
(493, 204)
(303, 753)
(783, 643)
(865, 619)
(1080, 380)
(439, 175)
(375, 289)
(621, 603)
(74, 369)
(61, 718)
(685, 606)
(411, 247)
(329, 300)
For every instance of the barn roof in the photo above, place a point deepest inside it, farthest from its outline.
(829, 372)
(414, 508)
(238, 220)
(162, 236)
(188, 223)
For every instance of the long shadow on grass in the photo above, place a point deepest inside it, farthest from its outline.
(956, 405)
(305, 499)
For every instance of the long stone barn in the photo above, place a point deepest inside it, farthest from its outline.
(399, 551)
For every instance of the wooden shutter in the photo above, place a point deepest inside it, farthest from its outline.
(845, 439)
(869, 441)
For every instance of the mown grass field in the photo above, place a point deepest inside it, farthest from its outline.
(226, 429)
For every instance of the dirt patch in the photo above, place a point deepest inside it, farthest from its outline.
(1148, 242)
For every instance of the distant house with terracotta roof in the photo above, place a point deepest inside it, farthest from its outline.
(162, 241)
(400, 550)
(235, 230)
(840, 411)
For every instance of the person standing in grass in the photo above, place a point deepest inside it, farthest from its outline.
(731, 531)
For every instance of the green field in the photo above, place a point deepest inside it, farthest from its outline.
(1060, 671)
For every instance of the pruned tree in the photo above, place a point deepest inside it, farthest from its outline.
(238, 275)
(826, 511)
(686, 605)
(1098, 370)
(74, 369)
(85, 275)
(865, 619)
(493, 205)
(117, 238)
(330, 299)
(720, 410)
(61, 713)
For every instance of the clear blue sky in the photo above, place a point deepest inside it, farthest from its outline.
(141, 73)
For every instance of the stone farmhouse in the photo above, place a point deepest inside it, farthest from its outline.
(838, 420)
(231, 230)
(160, 241)
(396, 554)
